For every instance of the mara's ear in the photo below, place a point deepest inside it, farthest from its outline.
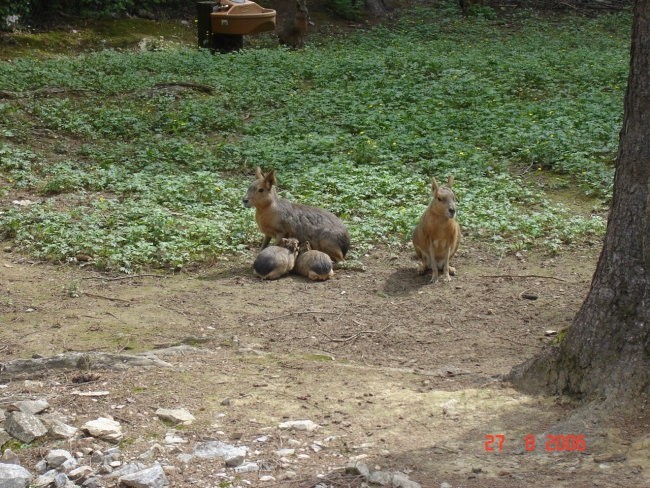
(450, 180)
(269, 178)
(434, 186)
(258, 173)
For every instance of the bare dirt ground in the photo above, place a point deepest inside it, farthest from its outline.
(398, 373)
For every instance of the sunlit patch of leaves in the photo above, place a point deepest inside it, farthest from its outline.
(136, 173)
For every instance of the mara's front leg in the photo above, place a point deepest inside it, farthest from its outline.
(445, 268)
(265, 242)
(434, 264)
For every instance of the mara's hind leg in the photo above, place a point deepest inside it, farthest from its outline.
(423, 266)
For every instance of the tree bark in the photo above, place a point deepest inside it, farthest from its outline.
(606, 352)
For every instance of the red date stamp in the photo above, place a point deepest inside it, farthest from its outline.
(554, 442)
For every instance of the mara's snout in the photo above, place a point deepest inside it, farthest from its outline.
(452, 213)
(246, 203)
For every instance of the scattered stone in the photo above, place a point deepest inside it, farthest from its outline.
(61, 481)
(153, 477)
(41, 467)
(127, 469)
(58, 429)
(172, 439)
(14, 476)
(306, 425)
(359, 469)
(381, 478)
(112, 454)
(23, 203)
(285, 452)
(31, 385)
(97, 457)
(400, 480)
(56, 457)
(9, 457)
(24, 427)
(92, 483)
(185, 458)
(617, 457)
(32, 407)
(444, 484)
(69, 465)
(45, 480)
(262, 439)
(176, 416)
(232, 455)
(153, 452)
(529, 295)
(267, 477)
(247, 468)
(80, 474)
(288, 475)
(105, 429)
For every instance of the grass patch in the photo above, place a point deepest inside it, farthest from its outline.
(135, 170)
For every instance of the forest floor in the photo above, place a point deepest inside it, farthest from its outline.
(398, 373)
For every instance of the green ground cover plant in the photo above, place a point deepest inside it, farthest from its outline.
(130, 160)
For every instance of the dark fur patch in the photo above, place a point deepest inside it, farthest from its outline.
(344, 243)
(322, 267)
(263, 266)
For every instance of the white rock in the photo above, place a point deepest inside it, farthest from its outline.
(32, 406)
(4, 437)
(46, 479)
(267, 477)
(176, 416)
(60, 430)
(285, 452)
(400, 480)
(153, 477)
(232, 455)
(81, 473)
(31, 385)
(382, 478)
(173, 439)
(306, 425)
(56, 457)
(105, 429)
(14, 476)
(247, 468)
(24, 427)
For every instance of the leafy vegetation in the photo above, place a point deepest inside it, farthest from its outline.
(130, 161)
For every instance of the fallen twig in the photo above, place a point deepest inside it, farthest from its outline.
(523, 276)
(119, 278)
(360, 333)
(298, 313)
(112, 299)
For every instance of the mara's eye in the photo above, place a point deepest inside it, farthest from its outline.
(440, 199)
(261, 190)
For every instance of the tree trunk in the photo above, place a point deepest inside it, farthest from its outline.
(606, 352)
(378, 8)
